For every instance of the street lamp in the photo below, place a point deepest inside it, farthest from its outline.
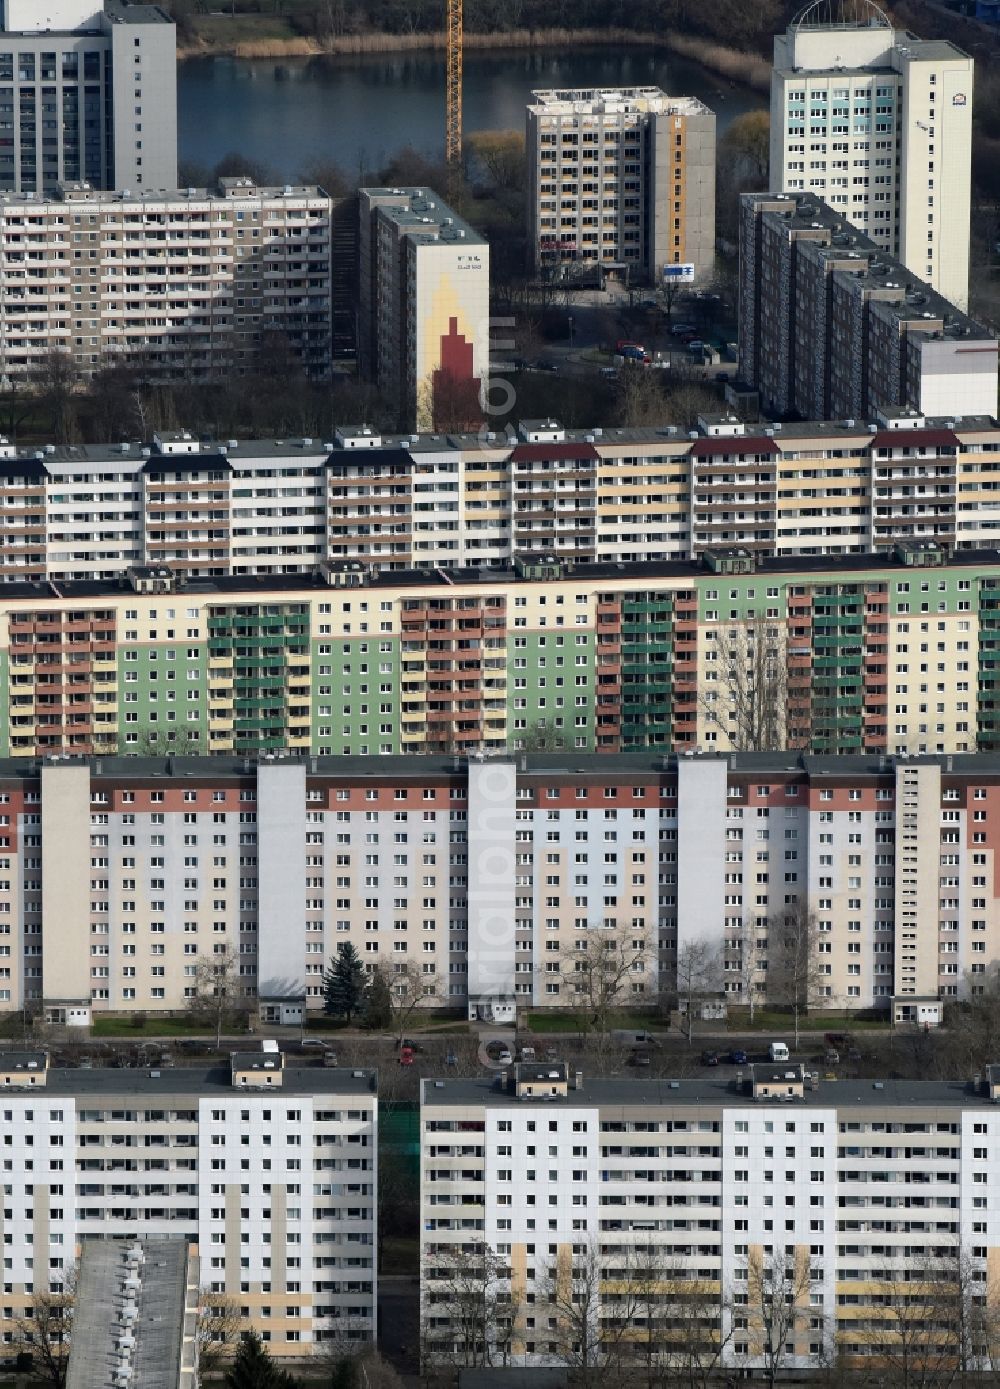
(569, 320)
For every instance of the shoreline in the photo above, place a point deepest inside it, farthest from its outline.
(743, 69)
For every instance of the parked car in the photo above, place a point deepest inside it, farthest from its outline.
(406, 1056)
(639, 1058)
(832, 1056)
(710, 1058)
(543, 364)
(504, 1057)
(737, 1057)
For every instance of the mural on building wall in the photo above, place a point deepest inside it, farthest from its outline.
(454, 384)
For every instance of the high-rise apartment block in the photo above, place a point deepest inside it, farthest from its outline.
(679, 1222)
(189, 283)
(476, 879)
(602, 658)
(271, 1170)
(832, 327)
(622, 179)
(878, 123)
(374, 505)
(88, 92)
(424, 306)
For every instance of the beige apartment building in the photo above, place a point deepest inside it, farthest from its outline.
(190, 282)
(878, 124)
(622, 180)
(832, 327)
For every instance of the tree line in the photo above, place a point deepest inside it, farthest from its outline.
(647, 1316)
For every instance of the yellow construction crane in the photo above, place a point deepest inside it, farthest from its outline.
(453, 88)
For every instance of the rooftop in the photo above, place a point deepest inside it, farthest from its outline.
(619, 1093)
(445, 579)
(614, 100)
(420, 211)
(162, 1084)
(418, 767)
(226, 190)
(134, 1307)
(240, 456)
(876, 272)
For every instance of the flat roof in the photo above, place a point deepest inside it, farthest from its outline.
(163, 1083)
(877, 268)
(421, 210)
(557, 101)
(155, 1337)
(82, 195)
(244, 454)
(445, 578)
(613, 1092)
(417, 767)
(125, 12)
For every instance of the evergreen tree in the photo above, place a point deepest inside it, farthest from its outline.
(344, 984)
(253, 1368)
(378, 1004)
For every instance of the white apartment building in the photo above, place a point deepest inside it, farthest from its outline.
(878, 123)
(622, 179)
(424, 306)
(270, 1170)
(88, 91)
(190, 282)
(678, 1205)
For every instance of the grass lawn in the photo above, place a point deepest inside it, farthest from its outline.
(570, 1022)
(771, 1020)
(243, 28)
(151, 1027)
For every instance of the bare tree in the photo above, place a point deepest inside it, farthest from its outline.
(778, 1314)
(698, 977)
(794, 970)
(468, 1317)
(748, 701)
(45, 1329)
(673, 1318)
(218, 1331)
(577, 1288)
(219, 995)
(600, 966)
(916, 1318)
(408, 990)
(743, 958)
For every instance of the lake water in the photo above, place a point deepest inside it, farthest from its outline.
(358, 111)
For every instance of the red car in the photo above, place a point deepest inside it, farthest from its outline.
(406, 1056)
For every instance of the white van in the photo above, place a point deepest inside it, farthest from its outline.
(778, 1051)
